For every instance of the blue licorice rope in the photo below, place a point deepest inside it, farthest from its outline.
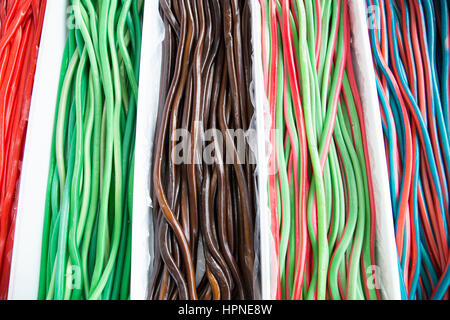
(426, 137)
(430, 75)
(389, 135)
(431, 36)
(443, 286)
(445, 68)
(416, 275)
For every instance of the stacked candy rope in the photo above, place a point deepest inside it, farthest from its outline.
(410, 43)
(87, 228)
(320, 186)
(20, 32)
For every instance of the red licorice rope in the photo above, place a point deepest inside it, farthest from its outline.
(272, 161)
(20, 31)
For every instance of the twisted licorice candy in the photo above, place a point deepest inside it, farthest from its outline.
(332, 230)
(411, 87)
(197, 200)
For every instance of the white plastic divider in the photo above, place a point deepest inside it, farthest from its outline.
(25, 266)
(386, 252)
(151, 57)
(262, 128)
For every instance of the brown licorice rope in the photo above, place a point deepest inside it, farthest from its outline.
(203, 210)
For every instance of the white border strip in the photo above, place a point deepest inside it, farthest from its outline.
(149, 84)
(385, 239)
(260, 101)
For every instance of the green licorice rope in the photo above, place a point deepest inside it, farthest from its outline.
(359, 148)
(86, 251)
(327, 100)
(283, 181)
(322, 241)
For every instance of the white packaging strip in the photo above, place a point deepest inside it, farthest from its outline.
(149, 83)
(25, 266)
(262, 127)
(386, 252)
